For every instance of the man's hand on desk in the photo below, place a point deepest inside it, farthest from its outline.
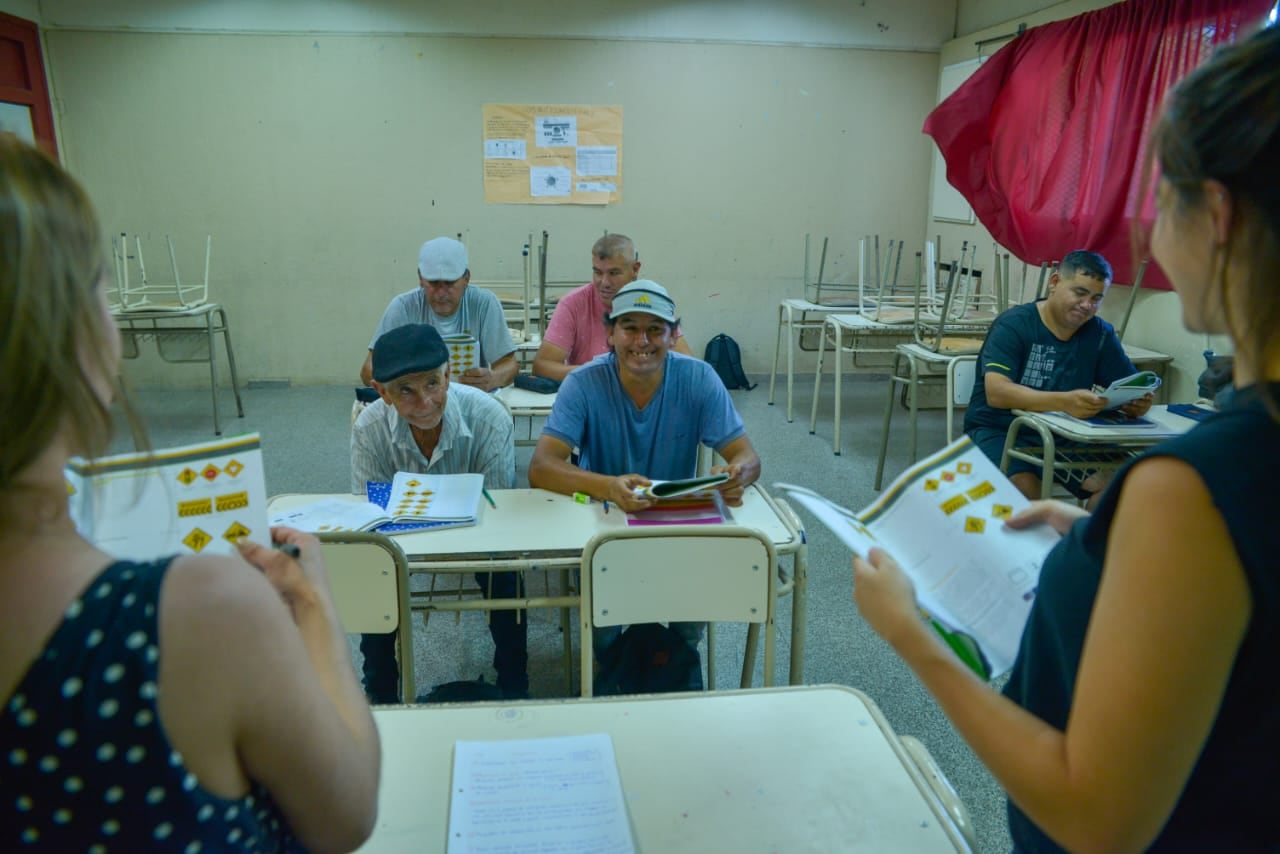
(1082, 403)
(1138, 408)
(622, 492)
(481, 378)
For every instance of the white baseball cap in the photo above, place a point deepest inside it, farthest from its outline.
(644, 295)
(442, 260)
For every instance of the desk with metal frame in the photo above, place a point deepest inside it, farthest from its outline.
(787, 311)
(1151, 360)
(812, 768)
(1093, 448)
(531, 530)
(522, 403)
(165, 325)
(887, 337)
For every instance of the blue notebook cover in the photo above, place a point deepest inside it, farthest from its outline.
(379, 493)
(1190, 410)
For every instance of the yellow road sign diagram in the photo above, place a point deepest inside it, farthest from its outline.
(71, 489)
(196, 507)
(982, 490)
(1001, 511)
(413, 483)
(233, 468)
(235, 533)
(931, 485)
(964, 468)
(974, 525)
(953, 504)
(232, 501)
(210, 472)
(196, 540)
(186, 477)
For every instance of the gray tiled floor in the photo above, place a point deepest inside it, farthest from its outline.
(305, 432)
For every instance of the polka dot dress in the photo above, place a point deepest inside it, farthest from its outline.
(84, 762)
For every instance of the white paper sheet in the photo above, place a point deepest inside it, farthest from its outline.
(555, 131)
(597, 161)
(549, 181)
(550, 795)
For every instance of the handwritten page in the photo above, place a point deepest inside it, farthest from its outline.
(943, 521)
(194, 499)
(551, 795)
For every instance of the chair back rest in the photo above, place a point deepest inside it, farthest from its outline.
(692, 574)
(367, 575)
(145, 295)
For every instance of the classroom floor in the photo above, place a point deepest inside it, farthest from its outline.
(305, 433)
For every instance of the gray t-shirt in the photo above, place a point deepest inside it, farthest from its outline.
(479, 314)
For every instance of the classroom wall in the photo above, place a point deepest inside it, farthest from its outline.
(1156, 322)
(28, 9)
(321, 162)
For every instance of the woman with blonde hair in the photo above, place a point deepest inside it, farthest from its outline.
(1144, 708)
(188, 704)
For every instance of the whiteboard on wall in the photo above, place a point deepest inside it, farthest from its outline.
(947, 203)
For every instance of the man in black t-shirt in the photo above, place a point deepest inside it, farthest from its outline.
(1046, 356)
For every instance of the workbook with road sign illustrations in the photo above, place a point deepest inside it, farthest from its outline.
(943, 521)
(193, 499)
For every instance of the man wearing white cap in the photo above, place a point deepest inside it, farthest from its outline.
(576, 333)
(639, 413)
(443, 300)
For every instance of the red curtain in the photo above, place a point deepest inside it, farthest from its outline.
(1046, 139)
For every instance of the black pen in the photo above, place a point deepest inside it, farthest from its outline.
(288, 548)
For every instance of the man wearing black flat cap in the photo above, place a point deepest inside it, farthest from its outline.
(422, 424)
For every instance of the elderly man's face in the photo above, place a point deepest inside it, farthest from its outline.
(445, 296)
(418, 398)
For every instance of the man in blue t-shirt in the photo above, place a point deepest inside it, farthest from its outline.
(640, 412)
(1046, 356)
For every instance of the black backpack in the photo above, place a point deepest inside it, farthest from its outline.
(648, 658)
(722, 353)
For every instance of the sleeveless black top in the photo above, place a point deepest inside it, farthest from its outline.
(85, 764)
(1231, 800)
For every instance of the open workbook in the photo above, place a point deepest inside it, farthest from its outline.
(1128, 389)
(943, 521)
(193, 499)
(412, 502)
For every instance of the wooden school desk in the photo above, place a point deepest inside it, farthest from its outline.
(814, 768)
(1095, 448)
(534, 530)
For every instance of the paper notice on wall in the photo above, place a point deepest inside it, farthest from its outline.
(552, 154)
(550, 181)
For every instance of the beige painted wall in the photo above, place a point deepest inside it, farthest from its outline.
(320, 163)
(29, 9)
(1157, 318)
(880, 24)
